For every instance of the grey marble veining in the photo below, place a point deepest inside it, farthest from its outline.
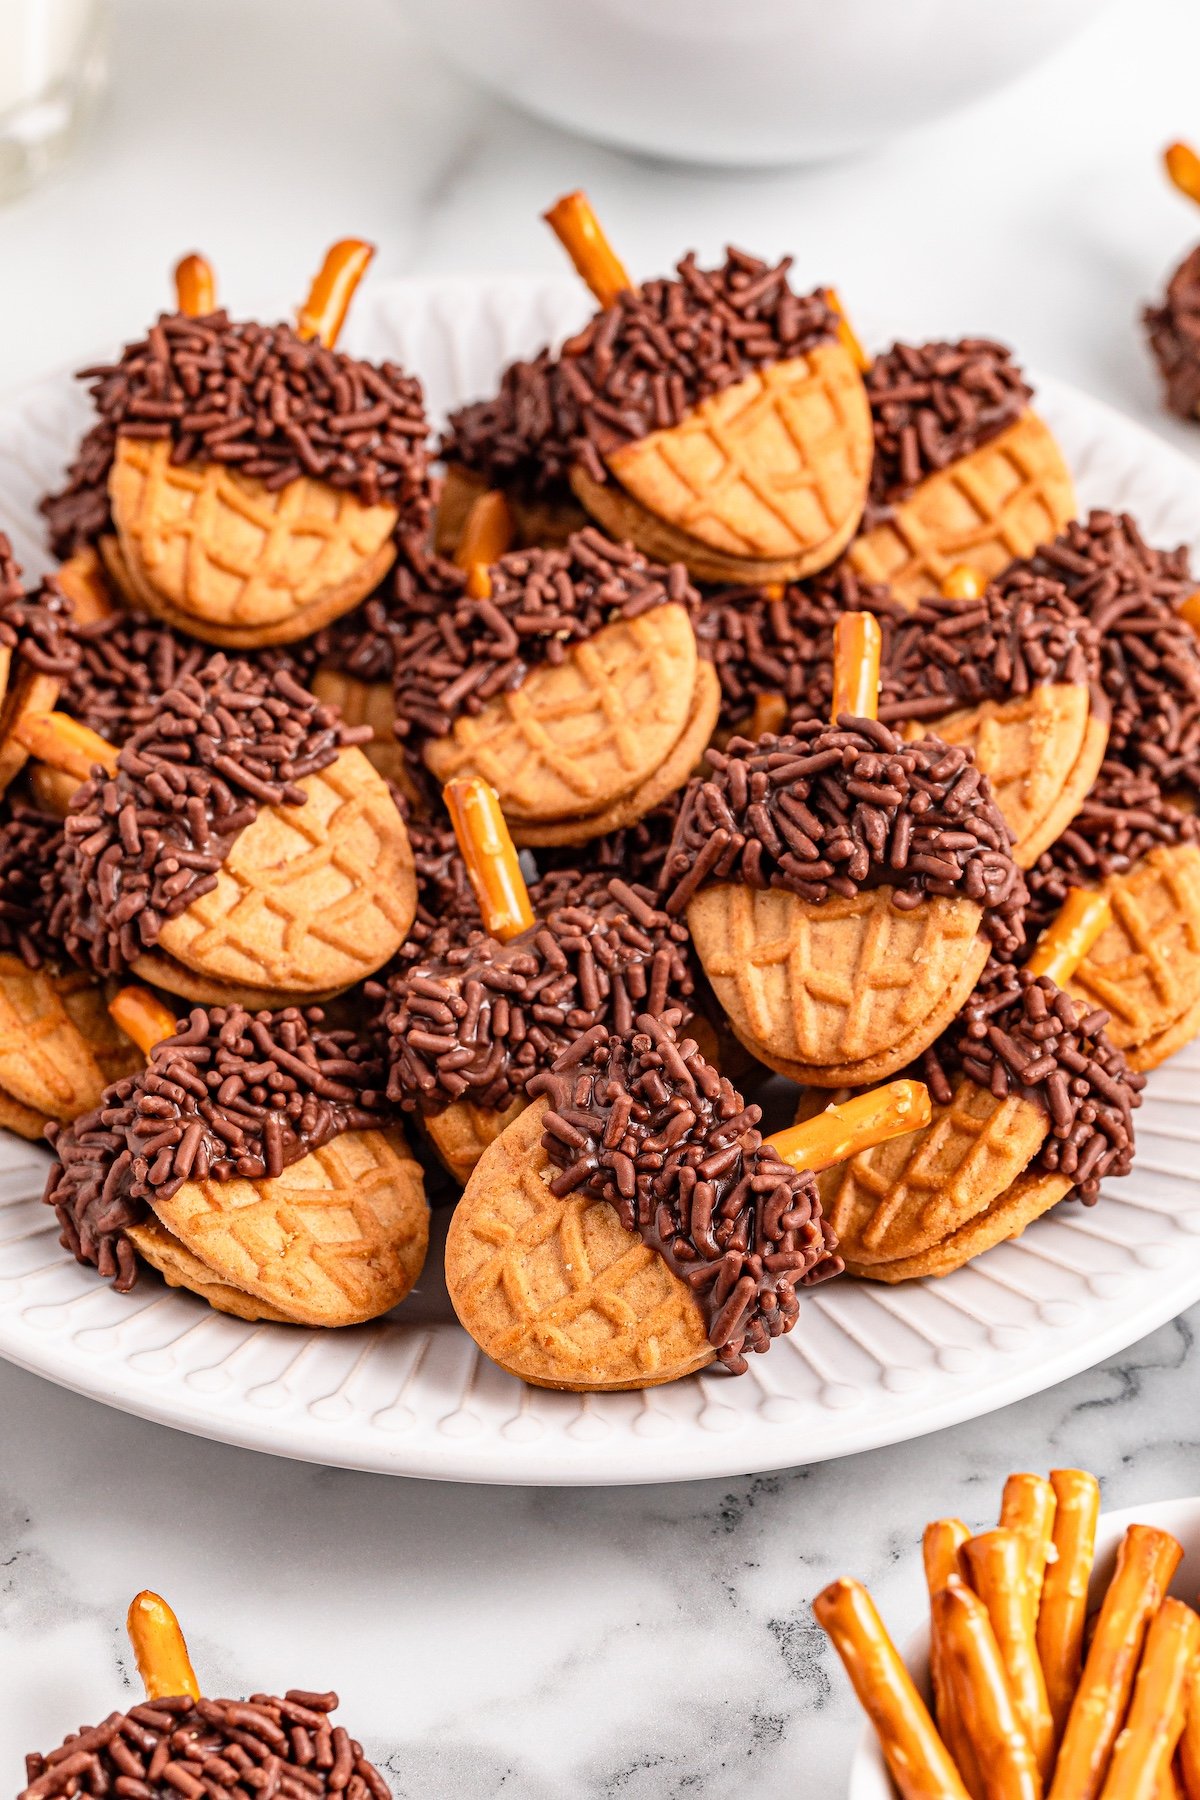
(610, 1644)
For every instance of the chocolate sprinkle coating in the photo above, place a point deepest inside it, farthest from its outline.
(640, 365)
(1150, 657)
(1123, 818)
(834, 809)
(1173, 329)
(34, 626)
(932, 404)
(140, 846)
(635, 853)
(463, 651)
(233, 1095)
(29, 844)
(639, 1119)
(474, 1019)
(1022, 1034)
(362, 643)
(185, 1749)
(260, 399)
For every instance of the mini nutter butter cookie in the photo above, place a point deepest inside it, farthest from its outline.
(59, 1048)
(714, 417)
(572, 686)
(177, 1743)
(244, 482)
(633, 1225)
(1144, 855)
(964, 471)
(36, 655)
(1032, 1102)
(488, 1001)
(258, 1146)
(843, 887)
(237, 847)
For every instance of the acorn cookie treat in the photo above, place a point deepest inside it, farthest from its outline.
(36, 655)
(633, 1225)
(1173, 327)
(481, 1009)
(714, 417)
(963, 472)
(569, 680)
(252, 1160)
(1032, 1103)
(175, 1742)
(843, 888)
(238, 847)
(59, 1047)
(244, 482)
(1143, 854)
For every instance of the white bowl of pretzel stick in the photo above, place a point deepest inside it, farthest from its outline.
(1178, 1519)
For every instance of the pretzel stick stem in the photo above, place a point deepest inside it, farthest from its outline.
(1190, 610)
(65, 744)
(1142, 1757)
(195, 286)
(324, 311)
(143, 1017)
(982, 1694)
(159, 1649)
(996, 1563)
(962, 582)
(490, 855)
(578, 230)
(1028, 1507)
(1081, 918)
(1189, 1743)
(487, 533)
(1062, 1615)
(940, 1545)
(841, 1131)
(1183, 167)
(857, 646)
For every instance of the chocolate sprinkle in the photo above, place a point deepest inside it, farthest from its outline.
(640, 365)
(641, 1120)
(831, 810)
(1150, 664)
(463, 651)
(185, 1749)
(140, 846)
(1174, 332)
(362, 643)
(260, 399)
(34, 626)
(29, 846)
(932, 404)
(233, 1095)
(473, 1019)
(1022, 1034)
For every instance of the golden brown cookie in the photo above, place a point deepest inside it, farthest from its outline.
(462, 1132)
(24, 1120)
(557, 1291)
(59, 1048)
(220, 555)
(763, 481)
(180, 1269)
(539, 521)
(578, 736)
(843, 992)
(1026, 1200)
(335, 1240)
(997, 503)
(369, 703)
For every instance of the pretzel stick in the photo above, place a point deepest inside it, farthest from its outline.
(847, 336)
(1080, 919)
(1171, 1786)
(159, 1649)
(195, 286)
(943, 1540)
(490, 856)
(65, 744)
(1190, 610)
(1141, 1761)
(486, 535)
(919, 1762)
(52, 790)
(143, 1017)
(1189, 1743)
(1146, 1562)
(769, 715)
(1028, 1507)
(324, 311)
(1063, 1612)
(996, 1563)
(962, 582)
(857, 644)
(842, 1131)
(578, 230)
(1183, 167)
(981, 1692)
(81, 579)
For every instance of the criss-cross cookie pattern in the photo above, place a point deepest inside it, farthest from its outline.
(580, 734)
(771, 467)
(310, 897)
(830, 983)
(227, 550)
(179, 1268)
(58, 1046)
(338, 1237)
(1000, 502)
(1145, 967)
(462, 1132)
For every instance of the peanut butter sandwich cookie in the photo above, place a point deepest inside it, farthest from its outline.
(963, 472)
(245, 482)
(36, 655)
(253, 1160)
(1032, 1104)
(177, 1742)
(633, 1225)
(843, 887)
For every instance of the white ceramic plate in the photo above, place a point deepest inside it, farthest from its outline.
(410, 1395)
(869, 1779)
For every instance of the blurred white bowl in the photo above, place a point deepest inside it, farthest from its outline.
(869, 1779)
(747, 83)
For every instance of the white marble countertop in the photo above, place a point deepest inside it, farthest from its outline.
(649, 1642)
